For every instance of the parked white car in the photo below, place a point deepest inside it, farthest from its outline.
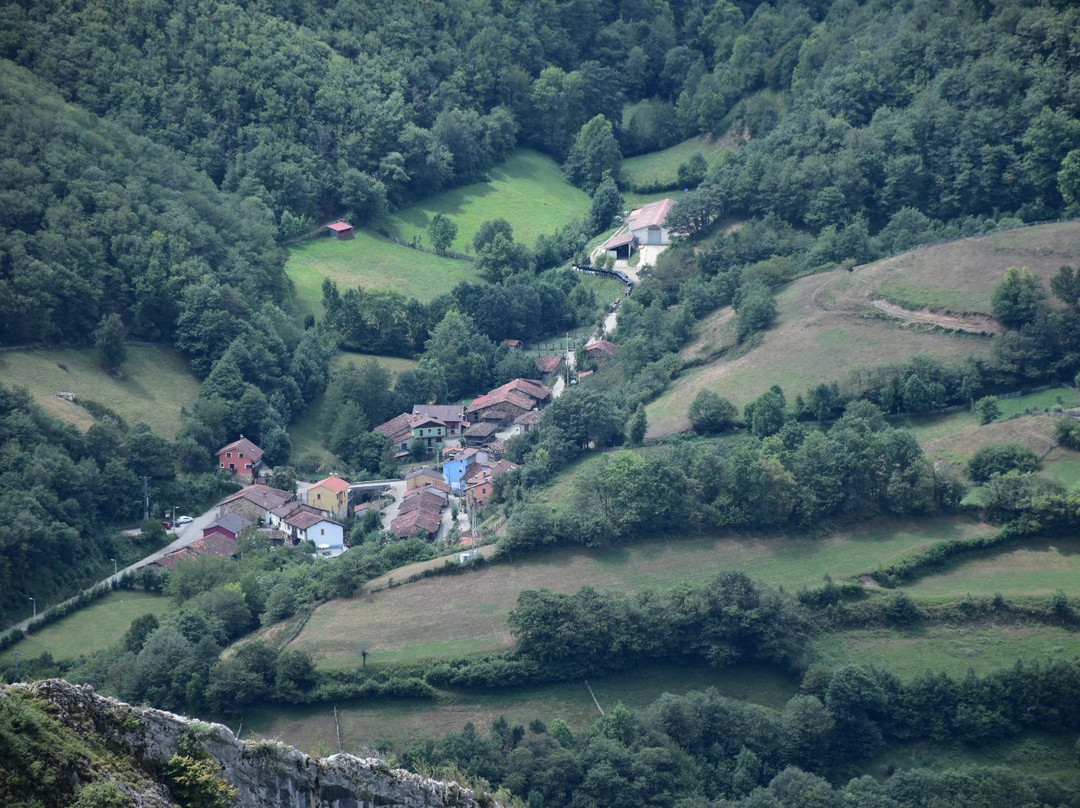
(183, 520)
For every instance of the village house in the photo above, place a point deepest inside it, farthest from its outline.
(427, 431)
(452, 415)
(283, 512)
(523, 423)
(454, 469)
(228, 525)
(327, 534)
(331, 495)
(421, 477)
(399, 431)
(549, 364)
(505, 403)
(601, 351)
(479, 434)
(215, 544)
(241, 458)
(423, 521)
(513, 344)
(254, 502)
(480, 486)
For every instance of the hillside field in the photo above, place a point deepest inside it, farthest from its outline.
(395, 724)
(661, 168)
(156, 384)
(371, 261)
(97, 626)
(528, 190)
(832, 323)
(442, 617)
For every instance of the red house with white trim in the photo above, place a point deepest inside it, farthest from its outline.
(241, 458)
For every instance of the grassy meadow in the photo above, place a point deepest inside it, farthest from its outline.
(948, 649)
(155, 386)
(662, 167)
(371, 261)
(98, 626)
(528, 190)
(442, 617)
(1040, 567)
(396, 724)
(817, 337)
(960, 276)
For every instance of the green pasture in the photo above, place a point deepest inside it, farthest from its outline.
(1039, 754)
(948, 649)
(442, 617)
(98, 626)
(1040, 567)
(155, 386)
(662, 167)
(371, 261)
(395, 724)
(816, 339)
(395, 364)
(528, 190)
(960, 276)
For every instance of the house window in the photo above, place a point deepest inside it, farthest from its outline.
(322, 531)
(241, 455)
(228, 454)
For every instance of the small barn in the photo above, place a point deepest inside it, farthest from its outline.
(340, 230)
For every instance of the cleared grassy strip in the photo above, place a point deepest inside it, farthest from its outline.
(960, 276)
(1033, 431)
(371, 261)
(97, 626)
(1037, 754)
(395, 364)
(528, 190)
(816, 339)
(662, 167)
(1040, 567)
(949, 649)
(445, 617)
(156, 385)
(396, 724)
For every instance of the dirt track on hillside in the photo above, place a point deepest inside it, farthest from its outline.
(969, 323)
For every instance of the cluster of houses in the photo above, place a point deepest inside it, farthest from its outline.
(277, 514)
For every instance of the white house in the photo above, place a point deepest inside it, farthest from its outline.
(327, 534)
(648, 223)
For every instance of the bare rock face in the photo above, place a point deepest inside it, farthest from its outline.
(265, 773)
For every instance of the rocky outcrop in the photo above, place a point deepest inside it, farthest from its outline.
(265, 773)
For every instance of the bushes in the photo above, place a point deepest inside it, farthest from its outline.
(999, 458)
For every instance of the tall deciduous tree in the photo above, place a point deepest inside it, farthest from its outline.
(442, 231)
(1019, 298)
(110, 340)
(595, 153)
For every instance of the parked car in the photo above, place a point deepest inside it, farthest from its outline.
(167, 524)
(183, 520)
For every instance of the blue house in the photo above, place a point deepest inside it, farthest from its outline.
(454, 470)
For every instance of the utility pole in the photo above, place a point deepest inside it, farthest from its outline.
(146, 496)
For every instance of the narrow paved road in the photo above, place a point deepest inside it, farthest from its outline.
(185, 535)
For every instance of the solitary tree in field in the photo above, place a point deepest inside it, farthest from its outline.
(442, 231)
(110, 340)
(364, 648)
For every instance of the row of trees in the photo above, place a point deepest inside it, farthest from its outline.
(703, 748)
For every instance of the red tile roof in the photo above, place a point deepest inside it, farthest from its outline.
(652, 215)
(261, 495)
(339, 227)
(603, 346)
(249, 449)
(397, 425)
(407, 525)
(334, 483)
(549, 363)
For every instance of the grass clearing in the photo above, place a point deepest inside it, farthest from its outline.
(818, 338)
(157, 384)
(949, 649)
(443, 617)
(957, 446)
(393, 725)
(528, 190)
(960, 276)
(1038, 754)
(1040, 567)
(395, 364)
(98, 626)
(662, 167)
(371, 261)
